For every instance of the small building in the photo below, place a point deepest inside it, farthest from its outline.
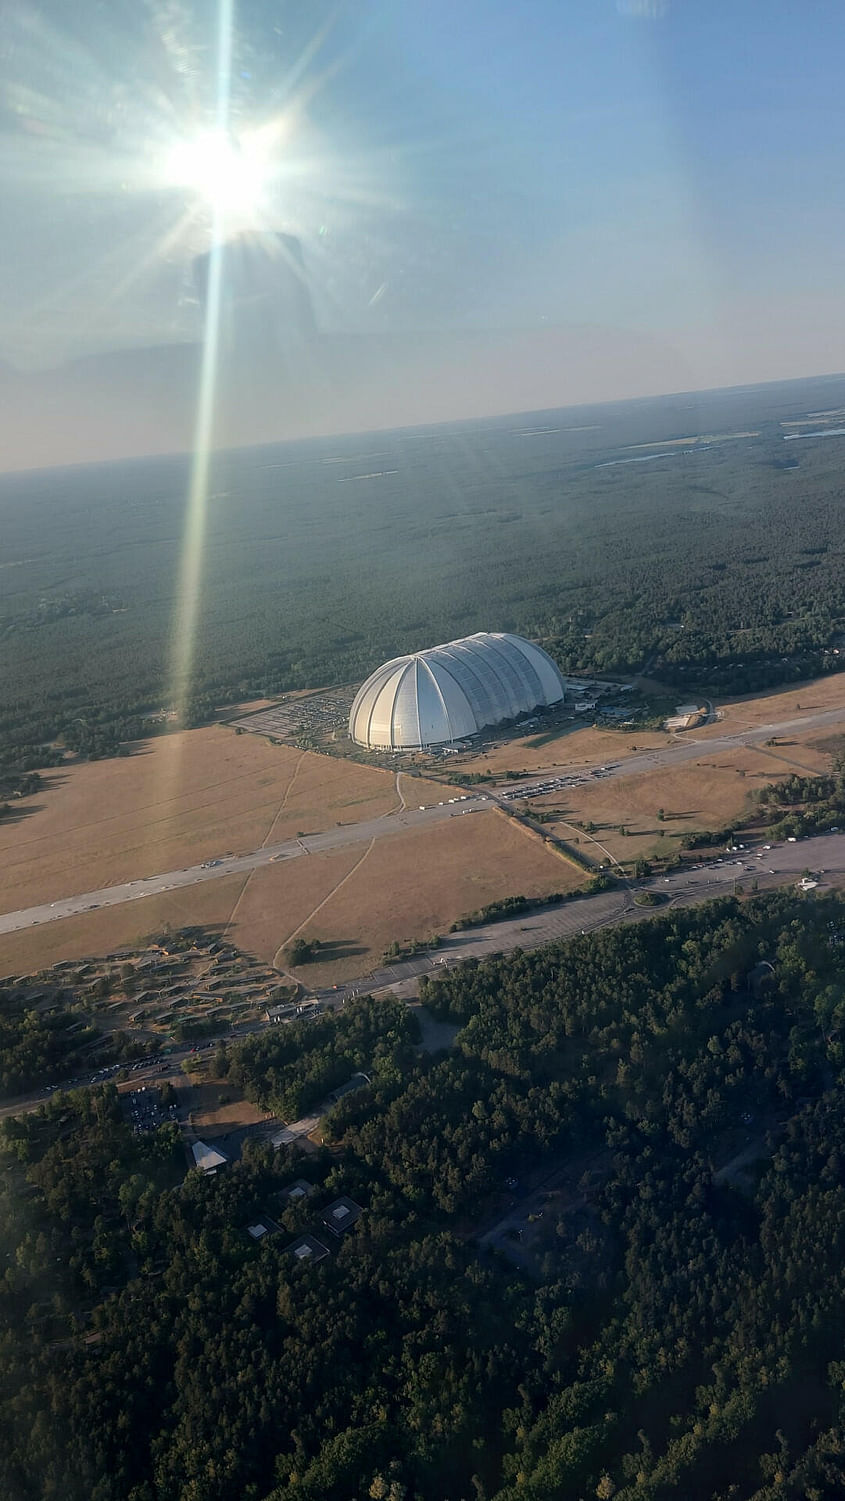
(306, 1248)
(258, 1230)
(299, 1189)
(207, 1158)
(341, 1215)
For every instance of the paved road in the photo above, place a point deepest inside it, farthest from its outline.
(155, 1070)
(688, 748)
(454, 805)
(778, 866)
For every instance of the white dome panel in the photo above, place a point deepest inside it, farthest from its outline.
(451, 692)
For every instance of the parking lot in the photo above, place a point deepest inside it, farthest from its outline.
(144, 1110)
(555, 784)
(318, 713)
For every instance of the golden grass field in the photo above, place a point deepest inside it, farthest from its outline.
(193, 795)
(767, 708)
(413, 885)
(585, 747)
(96, 933)
(356, 900)
(576, 747)
(701, 794)
(175, 801)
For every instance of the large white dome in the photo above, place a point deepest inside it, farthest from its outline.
(453, 691)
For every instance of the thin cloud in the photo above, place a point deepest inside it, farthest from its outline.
(643, 10)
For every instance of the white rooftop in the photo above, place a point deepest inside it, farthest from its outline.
(207, 1158)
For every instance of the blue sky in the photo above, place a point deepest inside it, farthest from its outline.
(667, 170)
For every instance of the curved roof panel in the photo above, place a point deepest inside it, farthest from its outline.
(452, 691)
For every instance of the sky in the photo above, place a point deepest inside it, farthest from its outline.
(526, 205)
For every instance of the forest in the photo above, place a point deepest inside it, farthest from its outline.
(680, 1333)
(719, 568)
(46, 1041)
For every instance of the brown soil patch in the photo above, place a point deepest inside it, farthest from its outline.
(178, 800)
(218, 1109)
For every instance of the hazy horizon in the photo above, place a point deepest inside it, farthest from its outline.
(502, 211)
(475, 418)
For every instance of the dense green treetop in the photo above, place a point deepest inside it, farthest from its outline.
(674, 1326)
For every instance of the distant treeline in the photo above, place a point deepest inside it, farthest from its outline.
(720, 573)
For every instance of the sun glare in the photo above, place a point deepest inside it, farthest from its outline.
(229, 175)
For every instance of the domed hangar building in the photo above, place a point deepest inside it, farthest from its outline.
(451, 692)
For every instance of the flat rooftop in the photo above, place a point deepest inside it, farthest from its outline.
(306, 1248)
(341, 1215)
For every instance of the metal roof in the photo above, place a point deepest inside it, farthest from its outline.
(452, 691)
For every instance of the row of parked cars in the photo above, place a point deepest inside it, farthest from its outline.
(146, 1112)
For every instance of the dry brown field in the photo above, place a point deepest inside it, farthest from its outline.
(187, 797)
(175, 801)
(577, 747)
(413, 885)
(768, 708)
(96, 933)
(357, 900)
(702, 794)
(217, 1110)
(584, 747)
(276, 900)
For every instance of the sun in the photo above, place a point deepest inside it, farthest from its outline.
(228, 174)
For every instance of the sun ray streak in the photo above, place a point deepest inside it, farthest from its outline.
(190, 575)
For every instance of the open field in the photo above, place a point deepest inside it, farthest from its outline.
(406, 886)
(576, 747)
(94, 933)
(703, 794)
(586, 746)
(413, 885)
(767, 708)
(177, 800)
(217, 1110)
(277, 899)
(190, 796)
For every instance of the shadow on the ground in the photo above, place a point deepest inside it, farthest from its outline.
(338, 948)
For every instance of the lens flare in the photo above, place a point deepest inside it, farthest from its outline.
(228, 173)
(190, 575)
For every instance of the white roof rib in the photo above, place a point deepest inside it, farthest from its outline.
(452, 691)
